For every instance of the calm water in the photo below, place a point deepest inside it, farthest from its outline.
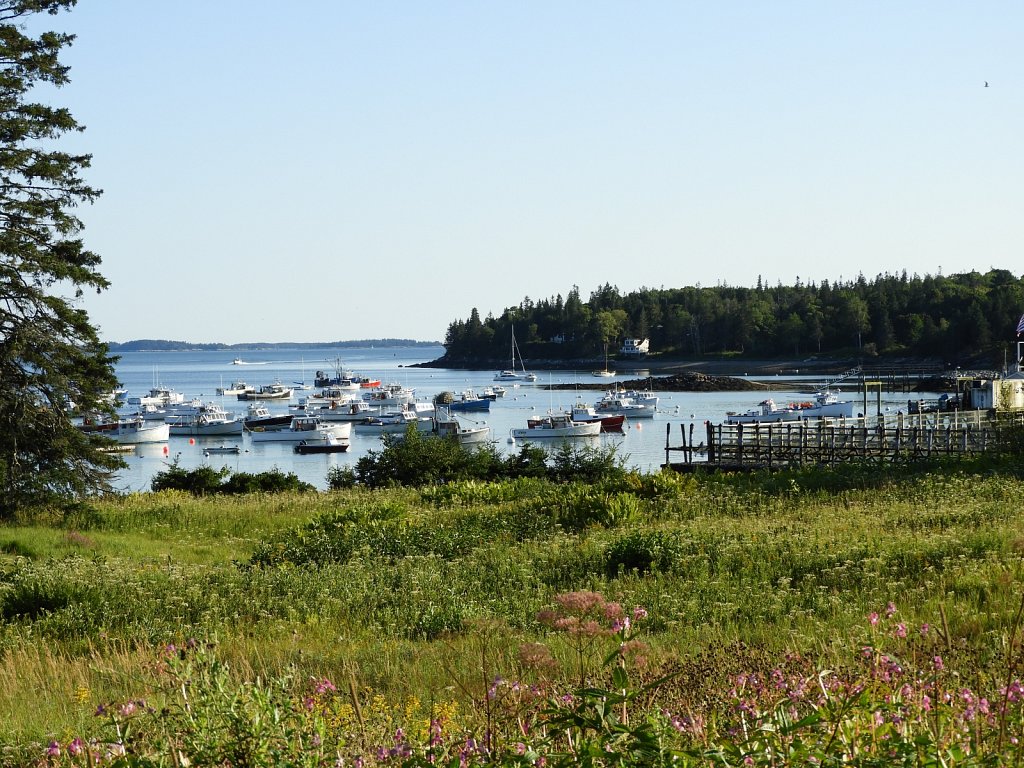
(200, 373)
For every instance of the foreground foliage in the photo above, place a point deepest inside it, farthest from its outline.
(413, 601)
(896, 702)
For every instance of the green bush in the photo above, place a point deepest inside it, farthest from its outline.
(203, 481)
(199, 482)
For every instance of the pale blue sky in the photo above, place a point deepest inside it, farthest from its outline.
(337, 170)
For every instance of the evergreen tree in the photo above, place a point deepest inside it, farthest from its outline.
(50, 354)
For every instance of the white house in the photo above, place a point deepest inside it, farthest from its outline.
(635, 347)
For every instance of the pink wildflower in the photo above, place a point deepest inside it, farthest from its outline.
(873, 618)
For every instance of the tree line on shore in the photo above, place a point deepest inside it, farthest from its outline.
(963, 315)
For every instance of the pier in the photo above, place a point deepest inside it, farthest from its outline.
(899, 438)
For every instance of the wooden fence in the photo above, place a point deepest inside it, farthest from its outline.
(904, 437)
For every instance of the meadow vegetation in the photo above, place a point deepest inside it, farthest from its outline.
(866, 614)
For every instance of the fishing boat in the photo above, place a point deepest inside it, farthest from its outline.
(615, 404)
(467, 401)
(556, 425)
(389, 396)
(303, 428)
(236, 388)
(275, 391)
(259, 417)
(353, 409)
(343, 377)
(825, 405)
(512, 374)
(131, 431)
(447, 425)
(610, 422)
(394, 422)
(158, 396)
(211, 420)
(325, 444)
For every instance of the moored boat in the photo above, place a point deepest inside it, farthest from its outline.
(511, 374)
(211, 420)
(615, 404)
(259, 417)
(556, 425)
(325, 444)
(275, 391)
(129, 431)
(447, 425)
(610, 422)
(236, 388)
(303, 428)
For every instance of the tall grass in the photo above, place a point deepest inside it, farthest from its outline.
(397, 590)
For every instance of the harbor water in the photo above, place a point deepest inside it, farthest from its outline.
(199, 373)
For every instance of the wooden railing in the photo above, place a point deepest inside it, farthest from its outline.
(904, 437)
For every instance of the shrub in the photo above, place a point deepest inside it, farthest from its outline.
(204, 481)
(198, 482)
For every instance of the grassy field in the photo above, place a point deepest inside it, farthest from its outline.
(410, 605)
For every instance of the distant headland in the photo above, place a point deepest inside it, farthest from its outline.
(164, 345)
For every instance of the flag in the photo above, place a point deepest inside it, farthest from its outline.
(1020, 325)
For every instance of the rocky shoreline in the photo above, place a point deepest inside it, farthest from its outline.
(721, 375)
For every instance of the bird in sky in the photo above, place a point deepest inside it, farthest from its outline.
(986, 83)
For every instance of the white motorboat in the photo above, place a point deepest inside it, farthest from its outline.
(130, 431)
(448, 426)
(275, 391)
(158, 396)
(825, 405)
(557, 425)
(236, 388)
(303, 428)
(512, 374)
(394, 422)
(765, 412)
(211, 420)
(353, 409)
(335, 394)
(643, 397)
(389, 396)
(616, 404)
(610, 422)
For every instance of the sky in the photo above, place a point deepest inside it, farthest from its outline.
(332, 170)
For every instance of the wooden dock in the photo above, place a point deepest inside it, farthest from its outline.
(903, 437)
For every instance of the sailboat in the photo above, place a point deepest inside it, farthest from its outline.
(512, 374)
(605, 372)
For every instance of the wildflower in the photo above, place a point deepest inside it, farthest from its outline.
(53, 750)
(76, 746)
(924, 629)
(890, 610)
(325, 686)
(639, 613)
(520, 748)
(937, 664)
(901, 630)
(873, 618)
(127, 709)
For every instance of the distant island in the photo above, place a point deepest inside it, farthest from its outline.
(164, 345)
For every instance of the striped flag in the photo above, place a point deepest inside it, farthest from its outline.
(1020, 325)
